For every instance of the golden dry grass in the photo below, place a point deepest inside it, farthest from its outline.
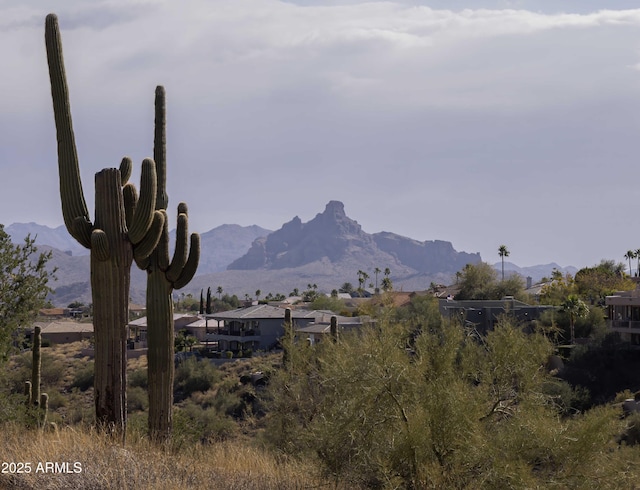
(104, 464)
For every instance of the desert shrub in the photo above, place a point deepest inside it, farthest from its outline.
(194, 424)
(83, 378)
(12, 408)
(193, 375)
(455, 411)
(631, 433)
(57, 400)
(139, 379)
(137, 399)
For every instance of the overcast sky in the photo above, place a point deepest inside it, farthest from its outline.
(477, 122)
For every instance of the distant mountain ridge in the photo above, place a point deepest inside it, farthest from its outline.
(328, 250)
(536, 272)
(57, 238)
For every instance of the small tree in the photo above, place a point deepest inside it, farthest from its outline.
(24, 285)
(575, 308)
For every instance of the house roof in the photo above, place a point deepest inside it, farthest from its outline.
(53, 311)
(142, 321)
(315, 328)
(261, 312)
(64, 327)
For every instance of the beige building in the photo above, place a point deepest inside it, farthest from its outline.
(63, 332)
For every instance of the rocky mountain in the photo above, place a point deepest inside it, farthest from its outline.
(335, 238)
(328, 251)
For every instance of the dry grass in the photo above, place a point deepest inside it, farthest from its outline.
(107, 465)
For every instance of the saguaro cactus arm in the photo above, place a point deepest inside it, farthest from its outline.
(160, 147)
(189, 269)
(143, 212)
(74, 207)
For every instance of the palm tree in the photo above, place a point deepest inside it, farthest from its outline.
(637, 252)
(377, 271)
(576, 308)
(630, 255)
(503, 252)
(362, 278)
(219, 291)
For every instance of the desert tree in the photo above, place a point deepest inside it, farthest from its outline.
(24, 285)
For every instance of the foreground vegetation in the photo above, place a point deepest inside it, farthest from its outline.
(412, 402)
(141, 465)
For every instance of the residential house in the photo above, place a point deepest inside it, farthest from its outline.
(62, 332)
(137, 329)
(623, 314)
(317, 331)
(257, 327)
(483, 314)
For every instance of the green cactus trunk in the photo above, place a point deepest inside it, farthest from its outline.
(160, 354)
(36, 365)
(163, 276)
(110, 280)
(44, 410)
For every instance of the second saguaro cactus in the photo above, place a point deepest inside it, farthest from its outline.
(126, 226)
(163, 276)
(36, 366)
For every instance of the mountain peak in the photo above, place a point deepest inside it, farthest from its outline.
(335, 208)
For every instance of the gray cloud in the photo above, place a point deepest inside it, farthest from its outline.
(481, 123)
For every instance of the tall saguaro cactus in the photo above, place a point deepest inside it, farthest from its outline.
(163, 276)
(126, 226)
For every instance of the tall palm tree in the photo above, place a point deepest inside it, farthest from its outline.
(637, 252)
(219, 291)
(503, 252)
(630, 255)
(576, 308)
(377, 271)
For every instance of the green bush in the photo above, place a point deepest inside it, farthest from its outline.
(137, 399)
(83, 378)
(454, 411)
(194, 375)
(139, 379)
(192, 424)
